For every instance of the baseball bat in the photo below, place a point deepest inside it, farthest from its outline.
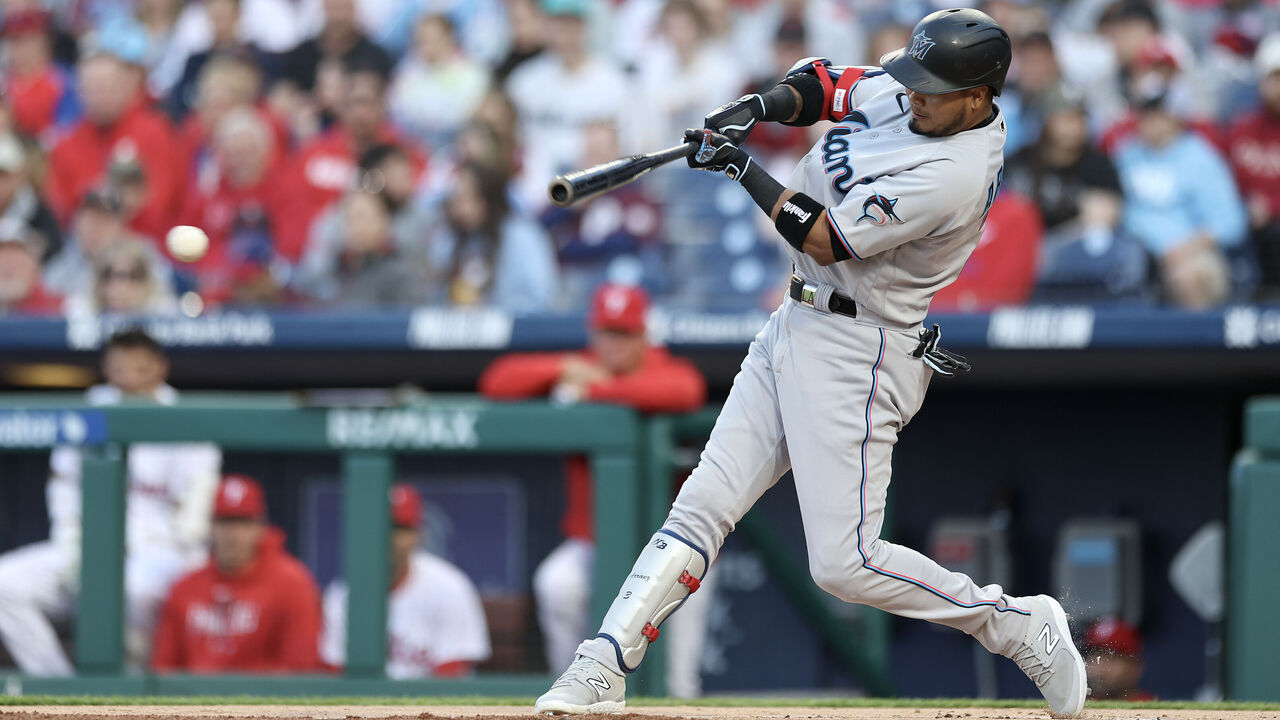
(581, 185)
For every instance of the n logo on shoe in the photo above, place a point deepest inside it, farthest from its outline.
(599, 682)
(1050, 640)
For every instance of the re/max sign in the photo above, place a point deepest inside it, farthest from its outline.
(426, 428)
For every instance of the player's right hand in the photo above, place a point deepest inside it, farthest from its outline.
(716, 153)
(735, 120)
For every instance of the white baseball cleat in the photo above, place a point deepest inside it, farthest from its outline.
(1049, 657)
(586, 687)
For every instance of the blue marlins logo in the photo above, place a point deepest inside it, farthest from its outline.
(920, 46)
(879, 210)
(835, 151)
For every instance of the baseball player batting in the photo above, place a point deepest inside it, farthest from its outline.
(882, 212)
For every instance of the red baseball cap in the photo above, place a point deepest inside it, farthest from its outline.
(1115, 636)
(240, 496)
(25, 22)
(619, 307)
(406, 506)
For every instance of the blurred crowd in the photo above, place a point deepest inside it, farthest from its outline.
(374, 153)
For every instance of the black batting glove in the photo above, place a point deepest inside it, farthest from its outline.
(717, 153)
(735, 120)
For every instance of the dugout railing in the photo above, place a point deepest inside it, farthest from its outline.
(368, 439)
(1253, 558)
(634, 457)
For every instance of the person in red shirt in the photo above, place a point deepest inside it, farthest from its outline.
(1155, 63)
(1002, 269)
(118, 126)
(252, 608)
(1253, 148)
(21, 292)
(35, 87)
(622, 367)
(326, 169)
(1112, 651)
(247, 210)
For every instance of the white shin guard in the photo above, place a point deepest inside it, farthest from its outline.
(668, 570)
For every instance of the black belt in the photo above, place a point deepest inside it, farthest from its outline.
(805, 293)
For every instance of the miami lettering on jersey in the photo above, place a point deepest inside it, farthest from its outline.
(835, 151)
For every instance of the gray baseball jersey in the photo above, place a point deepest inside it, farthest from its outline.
(825, 395)
(909, 208)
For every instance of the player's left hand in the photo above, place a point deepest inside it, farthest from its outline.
(716, 153)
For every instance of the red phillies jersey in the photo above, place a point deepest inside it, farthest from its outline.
(80, 161)
(265, 619)
(1253, 147)
(35, 99)
(662, 383)
(1002, 269)
(326, 168)
(38, 302)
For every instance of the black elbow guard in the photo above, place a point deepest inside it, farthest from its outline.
(813, 98)
(798, 215)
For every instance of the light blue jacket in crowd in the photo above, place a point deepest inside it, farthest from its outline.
(1174, 192)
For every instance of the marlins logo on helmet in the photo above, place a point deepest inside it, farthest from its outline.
(920, 45)
(879, 210)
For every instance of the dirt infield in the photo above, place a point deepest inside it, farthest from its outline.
(473, 712)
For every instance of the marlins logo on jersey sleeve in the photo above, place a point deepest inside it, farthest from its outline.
(893, 209)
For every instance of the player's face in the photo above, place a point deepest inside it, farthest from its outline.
(135, 371)
(234, 542)
(619, 352)
(403, 542)
(947, 113)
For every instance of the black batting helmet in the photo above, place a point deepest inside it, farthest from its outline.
(952, 50)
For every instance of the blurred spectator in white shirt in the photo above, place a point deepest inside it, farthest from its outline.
(683, 78)
(558, 94)
(527, 28)
(436, 87)
(482, 25)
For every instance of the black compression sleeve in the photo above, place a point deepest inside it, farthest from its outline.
(813, 99)
(761, 187)
(779, 103)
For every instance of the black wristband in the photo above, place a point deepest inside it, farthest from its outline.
(812, 98)
(780, 103)
(798, 215)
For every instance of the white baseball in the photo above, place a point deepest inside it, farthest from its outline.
(187, 243)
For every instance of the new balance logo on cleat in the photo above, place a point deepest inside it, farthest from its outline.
(599, 682)
(1050, 640)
